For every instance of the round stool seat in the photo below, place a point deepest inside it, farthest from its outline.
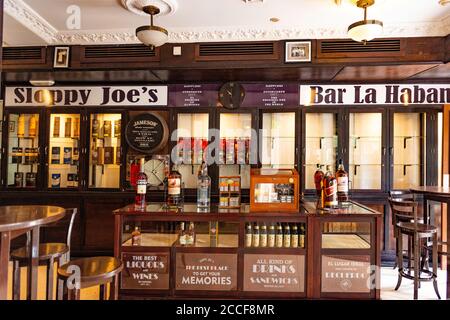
(420, 228)
(93, 270)
(46, 252)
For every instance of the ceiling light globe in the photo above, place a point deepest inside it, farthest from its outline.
(365, 30)
(152, 35)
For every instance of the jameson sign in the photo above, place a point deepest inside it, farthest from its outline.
(146, 133)
(386, 94)
(145, 270)
(87, 96)
(274, 273)
(206, 271)
(346, 274)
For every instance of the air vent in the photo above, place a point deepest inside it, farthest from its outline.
(129, 53)
(237, 51)
(23, 55)
(350, 48)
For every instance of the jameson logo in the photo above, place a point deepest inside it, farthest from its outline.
(82, 96)
(279, 273)
(374, 94)
(145, 270)
(145, 123)
(206, 271)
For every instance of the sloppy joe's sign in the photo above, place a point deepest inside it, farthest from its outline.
(386, 94)
(87, 96)
(145, 271)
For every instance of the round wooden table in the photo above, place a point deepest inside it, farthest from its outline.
(15, 221)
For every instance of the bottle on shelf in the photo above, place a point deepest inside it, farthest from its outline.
(190, 235)
(21, 126)
(271, 236)
(329, 190)
(107, 128)
(32, 126)
(256, 236)
(287, 236)
(279, 236)
(174, 194)
(318, 177)
(248, 235)
(203, 187)
(263, 236)
(136, 237)
(294, 236)
(182, 234)
(301, 237)
(95, 127)
(141, 186)
(342, 182)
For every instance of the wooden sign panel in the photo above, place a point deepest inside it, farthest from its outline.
(274, 273)
(145, 270)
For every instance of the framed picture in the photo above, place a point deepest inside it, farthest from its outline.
(61, 59)
(12, 126)
(298, 51)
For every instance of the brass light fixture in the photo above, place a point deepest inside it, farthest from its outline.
(365, 30)
(152, 36)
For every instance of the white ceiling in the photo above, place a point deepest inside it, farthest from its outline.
(31, 22)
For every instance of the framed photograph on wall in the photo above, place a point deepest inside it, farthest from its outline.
(61, 59)
(298, 51)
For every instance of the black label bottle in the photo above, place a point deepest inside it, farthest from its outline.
(263, 236)
(287, 236)
(256, 235)
(279, 236)
(271, 236)
(294, 236)
(248, 235)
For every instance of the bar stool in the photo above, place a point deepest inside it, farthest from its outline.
(92, 272)
(49, 253)
(419, 235)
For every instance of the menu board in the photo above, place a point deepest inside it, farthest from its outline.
(274, 273)
(270, 95)
(145, 270)
(147, 133)
(193, 95)
(346, 274)
(206, 271)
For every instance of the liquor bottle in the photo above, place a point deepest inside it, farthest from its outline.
(107, 128)
(134, 171)
(342, 182)
(256, 236)
(174, 196)
(203, 187)
(141, 186)
(318, 177)
(329, 190)
(213, 233)
(294, 236)
(279, 236)
(271, 236)
(95, 128)
(287, 236)
(263, 236)
(21, 126)
(117, 128)
(248, 235)
(56, 127)
(190, 235)
(136, 237)
(32, 126)
(301, 237)
(68, 128)
(182, 234)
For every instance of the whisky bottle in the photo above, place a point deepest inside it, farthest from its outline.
(182, 234)
(342, 183)
(190, 235)
(318, 177)
(263, 236)
(32, 126)
(294, 236)
(174, 196)
(279, 236)
(21, 126)
(95, 128)
(287, 236)
(271, 236)
(107, 128)
(136, 237)
(117, 128)
(248, 235)
(301, 237)
(141, 186)
(68, 128)
(329, 190)
(256, 236)
(203, 187)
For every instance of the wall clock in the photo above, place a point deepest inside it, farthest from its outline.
(231, 95)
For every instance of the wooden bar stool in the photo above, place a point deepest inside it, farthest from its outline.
(95, 271)
(49, 253)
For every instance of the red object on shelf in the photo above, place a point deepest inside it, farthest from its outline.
(134, 172)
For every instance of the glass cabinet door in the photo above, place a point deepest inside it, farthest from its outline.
(321, 144)
(23, 150)
(278, 140)
(365, 161)
(64, 151)
(192, 140)
(105, 150)
(234, 150)
(409, 143)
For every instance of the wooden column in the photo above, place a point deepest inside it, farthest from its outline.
(445, 175)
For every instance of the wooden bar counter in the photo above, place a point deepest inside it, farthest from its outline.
(338, 255)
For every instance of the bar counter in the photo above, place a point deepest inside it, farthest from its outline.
(339, 256)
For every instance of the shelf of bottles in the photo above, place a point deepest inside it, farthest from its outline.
(346, 235)
(278, 140)
(234, 148)
(192, 140)
(365, 150)
(409, 140)
(212, 234)
(23, 150)
(321, 144)
(64, 146)
(105, 151)
(275, 235)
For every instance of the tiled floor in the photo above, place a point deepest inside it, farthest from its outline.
(406, 290)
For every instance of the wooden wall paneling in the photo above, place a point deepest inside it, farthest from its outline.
(440, 71)
(383, 72)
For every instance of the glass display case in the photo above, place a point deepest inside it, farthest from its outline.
(365, 150)
(409, 146)
(23, 150)
(278, 140)
(321, 143)
(64, 151)
(105, 150)
(235, 148)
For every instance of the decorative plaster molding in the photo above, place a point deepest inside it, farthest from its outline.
(166, 7)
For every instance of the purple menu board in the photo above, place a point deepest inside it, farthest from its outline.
(271, 95)
(193, 95)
